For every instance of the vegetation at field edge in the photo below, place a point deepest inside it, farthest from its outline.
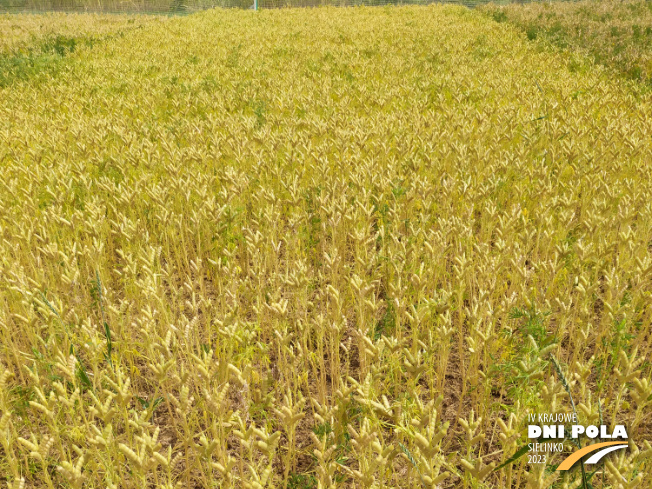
(615, 34)
(37, 44)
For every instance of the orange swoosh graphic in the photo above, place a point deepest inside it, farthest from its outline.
(571, 459)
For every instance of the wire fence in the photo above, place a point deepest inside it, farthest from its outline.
(181, 7)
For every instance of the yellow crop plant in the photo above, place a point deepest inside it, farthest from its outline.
(319, 248)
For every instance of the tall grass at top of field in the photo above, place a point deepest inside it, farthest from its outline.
(615, 34)
(190, 6)
(33, 33)
(33, 45)
(119, 6)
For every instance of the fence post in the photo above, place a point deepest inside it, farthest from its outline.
(255, 4)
